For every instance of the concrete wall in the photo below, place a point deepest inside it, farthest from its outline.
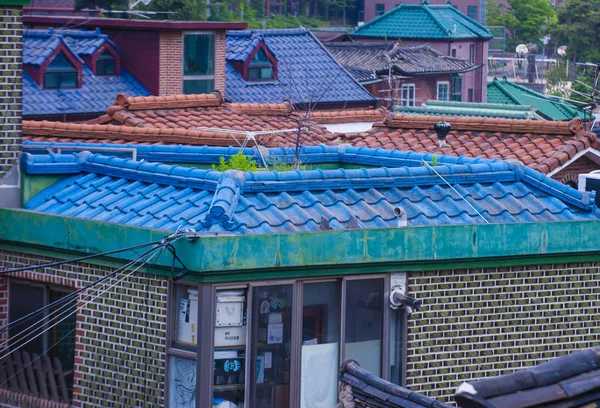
(11, 100)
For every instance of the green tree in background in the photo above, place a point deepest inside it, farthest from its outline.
(524, 20)
(578, 27)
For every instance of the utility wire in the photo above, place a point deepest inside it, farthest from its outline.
(40, 323)
(82, 258)
(83, 305)
(459, 194)
(73, 294)
(169, 239)
(70, 332)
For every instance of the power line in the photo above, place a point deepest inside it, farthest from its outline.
(165, 241)
(82, 258)
(70, 332)
(456, 191)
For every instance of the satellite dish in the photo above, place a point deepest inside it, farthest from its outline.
(562, 51)
(522, 49)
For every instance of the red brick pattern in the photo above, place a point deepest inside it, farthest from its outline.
(171, 63)
(220, 62)
(583, 165)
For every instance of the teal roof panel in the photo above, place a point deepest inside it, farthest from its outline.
(441, 22)
(502, 91)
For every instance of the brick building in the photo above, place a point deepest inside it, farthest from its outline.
(167, 57)
(444, 29)
(11, 99)
(269, 307)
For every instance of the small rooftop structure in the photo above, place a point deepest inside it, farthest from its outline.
(502, 91)
(424, 21)
(271, 66)
(567, 382)
(369, 61)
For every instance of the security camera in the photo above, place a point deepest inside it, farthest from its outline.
(397, 299)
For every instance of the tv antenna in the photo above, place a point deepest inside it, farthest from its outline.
(140, 13)
(248, 136)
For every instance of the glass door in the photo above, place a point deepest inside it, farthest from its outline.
(320, 344)
(271, 346)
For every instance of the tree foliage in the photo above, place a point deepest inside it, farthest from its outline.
(236, 162)
(524, 20)
(578, 27)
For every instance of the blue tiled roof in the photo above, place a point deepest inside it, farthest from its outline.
(306, 70)
(162, 196)
(97, 92)
(86, 42)
(38, 45)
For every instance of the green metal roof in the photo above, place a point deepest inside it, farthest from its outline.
(425, 21)
(501, 91)
(484, 110)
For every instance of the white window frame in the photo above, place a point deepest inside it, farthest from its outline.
(447, 84)
(408, 101)
(198, 77)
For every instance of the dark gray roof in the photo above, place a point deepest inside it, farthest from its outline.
(569, 381)
(375, 59)
(367, 390)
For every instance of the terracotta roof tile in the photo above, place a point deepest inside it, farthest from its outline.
(541, 145)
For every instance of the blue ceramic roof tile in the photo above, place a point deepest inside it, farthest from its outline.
(161, 196)
(306, 70)
(97, 92)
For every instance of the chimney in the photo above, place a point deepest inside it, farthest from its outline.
(11, 112)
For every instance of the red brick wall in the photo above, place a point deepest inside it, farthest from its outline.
(170, 63)
(220, 62)
(582, 165)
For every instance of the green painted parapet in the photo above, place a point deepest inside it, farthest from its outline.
(218, 258)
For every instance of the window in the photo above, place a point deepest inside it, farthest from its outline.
(198, 63)
(408, 95)
(453, 52)
(457, 88)
(472, 13)
(60, 74)
(443, 91)
(274, 341)
(106, 64)
(470, 95)
(57, 330)
(260, 68)
(379, 9)
(364, 323)
(472, 53)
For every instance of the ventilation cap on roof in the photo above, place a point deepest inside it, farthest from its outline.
(442, 129)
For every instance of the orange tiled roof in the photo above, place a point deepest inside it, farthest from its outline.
(175, 119)
(541, 145)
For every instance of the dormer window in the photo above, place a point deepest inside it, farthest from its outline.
(260, 68)
(60, 74)
(106, 64)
